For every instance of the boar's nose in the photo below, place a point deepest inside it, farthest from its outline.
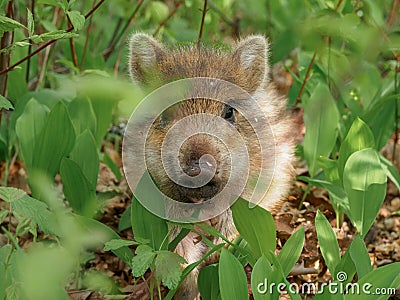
(193, 168)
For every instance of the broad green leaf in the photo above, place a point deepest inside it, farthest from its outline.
(107, 234)
(144, 257)
(31, 22)
(390, 170)
(79, 192)
(86, 156)
(10, 194)
(5, 103)
(347, 266)
(82, 115)
(256, 226)
(55, 141)
(115, 244)
(37, 211)
(146, 225)
(359, 137)
(52, 35)
(103, 111)
(7, 24)
(384, 277)
(191, 267)
(231, 274)
(125, 220)
(321, 119)
(335, 190)
(77, 19)
(101, 282)
(28, 128)
(364, 181)
(291, 251)
(181, 235)
(259, 279)
(168, 268)
(328, 242)
(208, 283)
(111, 164)
(359, 255)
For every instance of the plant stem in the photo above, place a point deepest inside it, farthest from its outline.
(28, 63)
(6, 70)
(87, 39)
(162, 24)
(6, 40)
(202, 23)
(110, 49)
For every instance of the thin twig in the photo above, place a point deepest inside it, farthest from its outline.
(298, 99)
(6, 40)
(87, 39)
(393, 15)
(113, 42)
(28, 63)
(162, 24)
(48, 43)
(72, 45)
(202, 23)
(396, 110)
(224, 18)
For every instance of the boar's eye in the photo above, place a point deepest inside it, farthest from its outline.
(228, 114)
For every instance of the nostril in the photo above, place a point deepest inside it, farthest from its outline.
(193, 168)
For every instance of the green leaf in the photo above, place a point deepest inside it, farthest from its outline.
(192, 266)
(390, 170)
(7, 24)
(256, 226)
(359, 255)
(94, 226)
(328, 242)
(77, 19)
(37, 211)
(82, 115)
(79, 192)
(208, 283)
(111, 164)
(320, 118)
(142, 260)
(291, 251)
(231, 274)
(31, 22)
(115, 244)
(5, 103)
(146, 225)
(52, 35)
(359, 137)
(28, 128)
(86, 156)
(334, 190)
(383, 278)
(125, 220)
(365, 184)
(55, 141)
(259, 279)
(168, 269)
(10, 194)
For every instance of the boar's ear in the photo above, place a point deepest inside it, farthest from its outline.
(145, 53)
(251, 54)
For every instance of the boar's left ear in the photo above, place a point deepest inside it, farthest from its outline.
(252, 55)
(145, 53)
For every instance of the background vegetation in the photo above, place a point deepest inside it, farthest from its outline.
(64, 91)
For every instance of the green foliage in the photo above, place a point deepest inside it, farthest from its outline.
(61, 102)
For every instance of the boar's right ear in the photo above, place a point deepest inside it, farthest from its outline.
(145, 52)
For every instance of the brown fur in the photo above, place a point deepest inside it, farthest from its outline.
(246, 66)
